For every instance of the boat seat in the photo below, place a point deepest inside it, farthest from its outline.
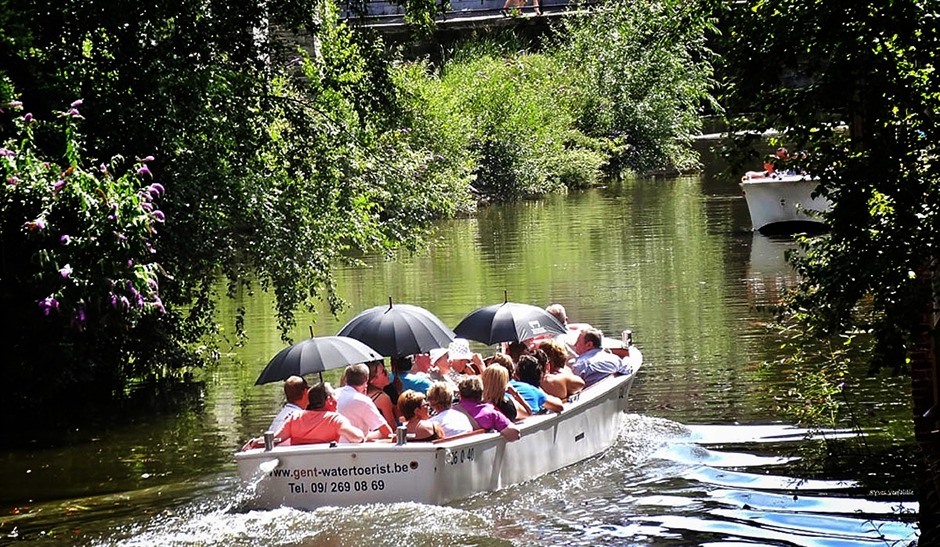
(461, 436)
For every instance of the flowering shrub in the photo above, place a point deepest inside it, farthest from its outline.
(78, 261)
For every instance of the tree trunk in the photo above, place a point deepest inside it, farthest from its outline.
(925, 392)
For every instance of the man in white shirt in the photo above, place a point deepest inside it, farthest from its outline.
(353, 403)
(295, 391)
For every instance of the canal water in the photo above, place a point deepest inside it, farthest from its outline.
(705, 456)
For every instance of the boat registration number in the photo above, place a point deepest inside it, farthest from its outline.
(459, 456)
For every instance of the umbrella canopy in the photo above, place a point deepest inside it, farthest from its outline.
(316, 355)
(399, 329)
(508, 322)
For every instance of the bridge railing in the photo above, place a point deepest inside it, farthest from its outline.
(383, 11)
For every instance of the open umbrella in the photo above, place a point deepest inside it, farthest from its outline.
(507, 322)
(399, 329)
(316, 355)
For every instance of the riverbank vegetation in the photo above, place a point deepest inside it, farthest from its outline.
(854, 83)
(204, 143)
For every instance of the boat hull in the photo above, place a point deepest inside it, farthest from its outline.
(780, 200)
(311, 476)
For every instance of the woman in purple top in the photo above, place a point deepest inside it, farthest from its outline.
(484, 414)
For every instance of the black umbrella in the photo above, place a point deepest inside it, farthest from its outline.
(398, 330)
(508, 322)
(316, 355)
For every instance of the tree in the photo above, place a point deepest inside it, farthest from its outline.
(854, 83)
(274, 162)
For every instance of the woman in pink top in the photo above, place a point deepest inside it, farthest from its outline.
(320, 423)
(483, 415)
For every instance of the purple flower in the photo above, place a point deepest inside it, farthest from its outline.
(66, 271)
(148, 158)
(159, 216)
(158, 304)
(78, 321)
(28, 118)
(38, 224)
(144, 170)
(14, 104)
(130, 264)
(114, 301)
(12, 180)
(7, 153)
(74, 113)
(57, 186)
(156, 188)
(103, 168)
(48, 304)
(146, 206)
(65, 239)
(77, 103)
(125, 303)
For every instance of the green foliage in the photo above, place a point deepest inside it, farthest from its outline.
(642, 79)
(79, 263)
(276, 164)
(853, 83)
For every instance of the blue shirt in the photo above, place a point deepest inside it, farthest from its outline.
(595, 365)
(414, 381)
(532, 395)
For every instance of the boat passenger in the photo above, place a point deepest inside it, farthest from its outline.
(319, 423)
(558, 379)
(498, 392)
(295, 392)
(572, 329)
(417, 414)
(352, 402)
(407, 378)
(378, 380)
(594, 363)
(462, 360)
(451, 420)
(483, 415)
(526, 383)
(515, 350)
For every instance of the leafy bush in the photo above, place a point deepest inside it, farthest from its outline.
(79, 266)
(643, 76)
(510, 116)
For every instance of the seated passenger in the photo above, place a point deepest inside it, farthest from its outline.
(568, 339)
(594, 363)
(461, 360)
(295, 392)
(353, 403)
(318, 424)
(417, 413)
(483, 415)
(378, 380)
(452, 421)
(407, 377)
(498, 392)
(558, 379)
(526, 383)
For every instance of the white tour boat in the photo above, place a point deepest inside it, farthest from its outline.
(782, 198)
(311, 476)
